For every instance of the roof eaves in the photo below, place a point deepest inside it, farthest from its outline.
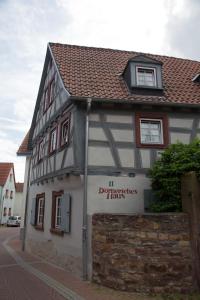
(24, 153)
(131, 101)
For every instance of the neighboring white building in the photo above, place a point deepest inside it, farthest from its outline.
(101, 120)
(7, 191)
(18, 203)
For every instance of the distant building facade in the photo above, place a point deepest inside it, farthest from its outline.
(7, 191)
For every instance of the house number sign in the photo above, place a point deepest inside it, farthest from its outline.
(116, 193)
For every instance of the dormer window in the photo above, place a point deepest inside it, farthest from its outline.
(143, 73)
(196, 78)
(146, 76)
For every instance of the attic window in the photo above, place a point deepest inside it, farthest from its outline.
(146, 76)
(196, 78)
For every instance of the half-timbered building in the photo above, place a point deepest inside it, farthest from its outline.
(102, 118)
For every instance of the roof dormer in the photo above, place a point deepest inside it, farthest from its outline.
(196, 78)
(144, 73)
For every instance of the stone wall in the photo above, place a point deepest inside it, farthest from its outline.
(142, 253)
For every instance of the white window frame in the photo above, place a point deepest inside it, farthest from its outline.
(40, 207)
(46, 99)
(65, 140)
(52, 91)
(161, 142)
(53, 140)
(41, 150)
(146, 68)
(58, 209)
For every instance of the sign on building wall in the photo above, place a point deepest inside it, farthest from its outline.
(117, 194)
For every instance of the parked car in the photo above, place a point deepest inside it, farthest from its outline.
(14, 221)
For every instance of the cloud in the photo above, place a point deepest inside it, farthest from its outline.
(26, 28)
(182, 28)
(116, 24)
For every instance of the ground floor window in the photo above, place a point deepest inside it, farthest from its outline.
(37, 212)
(61, 212)
(40, 211)
(56, 211)
(5, 211)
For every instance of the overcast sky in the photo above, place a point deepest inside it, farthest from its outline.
(168, 27)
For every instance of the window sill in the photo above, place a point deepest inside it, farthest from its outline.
(154, 146)
(39, 227)
(57, 231)
(146, 87)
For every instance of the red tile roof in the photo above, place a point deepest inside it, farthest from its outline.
(95, 72)
(4, 172)
(23, 148)
(19, 187)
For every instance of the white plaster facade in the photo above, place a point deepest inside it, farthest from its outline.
(7, 198)
(62, 250)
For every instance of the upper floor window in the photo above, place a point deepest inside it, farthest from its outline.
(151, 130)
(51, 91)
(53, 140)
(64, 131)
(6, 194)
(11, 194)
(11, 177)
(46, 99)
(49, 94)
(146, 76)
(41, 150)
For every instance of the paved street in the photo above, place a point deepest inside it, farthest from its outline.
(17, 283)
(27, 277)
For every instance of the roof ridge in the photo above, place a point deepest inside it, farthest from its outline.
(124, 51)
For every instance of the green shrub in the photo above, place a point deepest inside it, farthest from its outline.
(166, 173)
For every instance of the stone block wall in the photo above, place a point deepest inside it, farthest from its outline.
(142, 253)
